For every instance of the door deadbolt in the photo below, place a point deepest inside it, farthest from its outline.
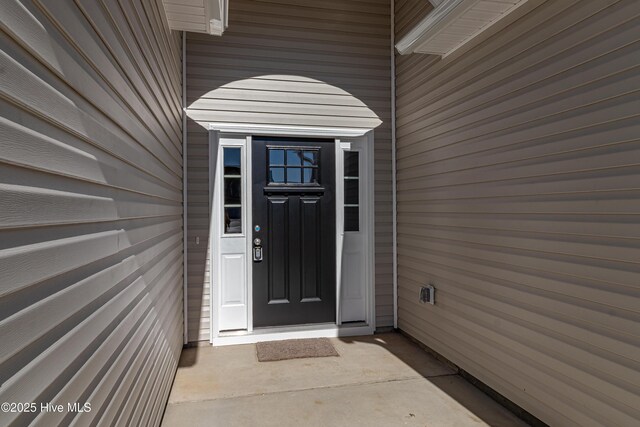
(257, 250)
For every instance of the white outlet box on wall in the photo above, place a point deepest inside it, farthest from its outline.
(427, 294)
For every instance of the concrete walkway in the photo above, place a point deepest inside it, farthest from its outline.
(382, 380)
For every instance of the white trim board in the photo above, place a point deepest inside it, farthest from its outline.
(185, 243)
(283, 130)
(394, 167)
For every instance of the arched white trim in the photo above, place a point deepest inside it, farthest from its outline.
(286, 130)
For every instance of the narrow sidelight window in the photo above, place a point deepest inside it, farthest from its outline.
(351, 191)
(232, 190)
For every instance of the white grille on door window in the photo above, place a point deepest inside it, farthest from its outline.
(293, 166)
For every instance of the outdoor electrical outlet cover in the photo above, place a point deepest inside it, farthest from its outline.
(427, 294)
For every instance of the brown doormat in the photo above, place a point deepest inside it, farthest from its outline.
(295, 349)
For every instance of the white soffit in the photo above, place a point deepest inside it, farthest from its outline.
(452, 23)
(198, 16)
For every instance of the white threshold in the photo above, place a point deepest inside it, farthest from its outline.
(328, 330)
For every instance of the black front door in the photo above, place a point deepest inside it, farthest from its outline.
(294, 282)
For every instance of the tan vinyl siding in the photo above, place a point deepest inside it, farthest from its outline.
(519, 178)
(407, 14)
(291, 63)
(90, 209)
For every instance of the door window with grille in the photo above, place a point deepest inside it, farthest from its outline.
(293, 166)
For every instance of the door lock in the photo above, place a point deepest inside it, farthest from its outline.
(257, 250)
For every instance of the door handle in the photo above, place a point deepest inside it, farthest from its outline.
(257, 250)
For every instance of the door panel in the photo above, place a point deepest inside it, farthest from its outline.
(294, 218)
(311, 256)
(277, 246)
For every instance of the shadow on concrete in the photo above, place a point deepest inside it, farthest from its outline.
(447, 383)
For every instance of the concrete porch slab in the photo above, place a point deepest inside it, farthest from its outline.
(381, 380)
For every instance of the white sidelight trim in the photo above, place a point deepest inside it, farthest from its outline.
(339, 149)
(370, 266)
(356, 299)
(213, 239)
(248, 189)
(394, 184)
(185, 275)
(230, 263)
(284, 130)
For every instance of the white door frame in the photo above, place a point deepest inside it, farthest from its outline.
(241, 135)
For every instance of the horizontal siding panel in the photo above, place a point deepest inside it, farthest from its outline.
(186, 18)
(333, 13)
(331, 52)
(272, 107)
(111, 109)
(129, 56)
(618, 249)
(20, 267)
(515, 368)
(24, 328)
(290, 63)
(560, 21)
(499, 150)
(408, 14)
(91, 210)
(266, 84)
(284, 97)
(597, 281)
(331, 74)
(61, 207)
(30, 149)
(183, 9)
(276, 82)
(89, 38)
(623, 226)
(167, 61)
(62, 112)
(71, 346)
(313, 42)
(595, 338)
(379, 7)
(527, 90)
(518, 198)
